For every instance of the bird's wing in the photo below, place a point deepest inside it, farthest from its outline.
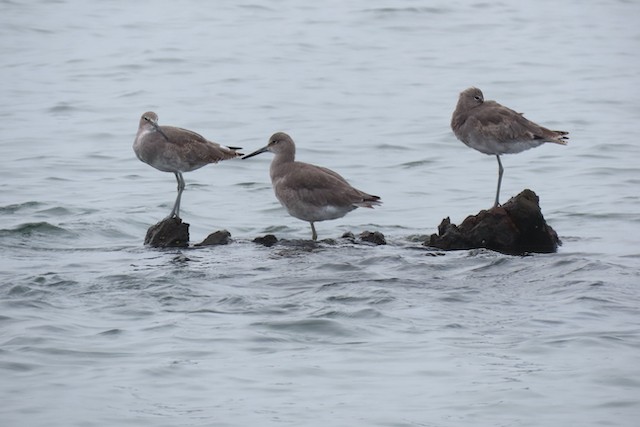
(195, 146)
(505, 125)
(316, 185)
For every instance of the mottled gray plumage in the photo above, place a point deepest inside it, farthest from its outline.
(308, 192)
(172, 149)
(492, 128)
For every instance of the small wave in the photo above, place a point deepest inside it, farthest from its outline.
(10, 209)
(256, 7)
(167, 60)
(62, 107)
(34, 228)
(18, 366)
(307, 327)
(365, 313)
(56, 211)
(407, 10)
(112, 332)
(417, 163)
(135, 93)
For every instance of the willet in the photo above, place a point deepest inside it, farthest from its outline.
(308, 192)
(171, 149)
(492, 128)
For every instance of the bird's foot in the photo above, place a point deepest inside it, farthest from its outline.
(173, 216)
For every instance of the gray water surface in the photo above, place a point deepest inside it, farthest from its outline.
(98, 330)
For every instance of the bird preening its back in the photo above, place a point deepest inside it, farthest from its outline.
(309, 192)
(177, 150)
(492, 128)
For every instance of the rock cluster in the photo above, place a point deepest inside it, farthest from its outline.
(515, 228)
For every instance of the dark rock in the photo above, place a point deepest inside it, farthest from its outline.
(268, 240)
(168, 233)
(349, 236)
(515, 228)
(375, 237)
(220, 237)
(180, 259)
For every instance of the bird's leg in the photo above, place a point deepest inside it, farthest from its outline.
(175, 212)
(314, 235)
(500, 172)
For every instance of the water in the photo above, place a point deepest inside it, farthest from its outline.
(96, 329)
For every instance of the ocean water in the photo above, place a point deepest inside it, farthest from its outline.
(98, 330)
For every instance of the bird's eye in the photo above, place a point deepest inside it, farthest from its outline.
(477, 98)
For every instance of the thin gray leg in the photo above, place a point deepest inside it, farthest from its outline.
(500, 172)
(314, 235)
(175, 212)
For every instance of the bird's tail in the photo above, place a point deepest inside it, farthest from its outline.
(559, 137)
(368, 201)
(232, 152)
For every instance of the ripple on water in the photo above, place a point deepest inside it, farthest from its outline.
(30, 229)
(21, 367)
(305, 329)
(62, 108)
(365, 313)
(17, 207)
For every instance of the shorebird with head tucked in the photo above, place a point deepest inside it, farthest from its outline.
(308, 192)
(172, 149)
(492, 128)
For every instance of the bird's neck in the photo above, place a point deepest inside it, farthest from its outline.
(458, 118)
(281, 163)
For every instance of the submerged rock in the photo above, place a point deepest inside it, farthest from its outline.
(168, 233)
(267, 240)
(368, 237)
(349, 236)
(375, 237)
(220, 237)
(180, 259)
(515, 228)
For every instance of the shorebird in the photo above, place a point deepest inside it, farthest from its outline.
(172, 149)
(308, 192)
(492, 128)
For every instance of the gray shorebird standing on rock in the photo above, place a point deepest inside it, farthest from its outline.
(492, 128)
(171, 149)
(308, 192)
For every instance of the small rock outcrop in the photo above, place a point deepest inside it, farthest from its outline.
(168, 233)
(267, 240)
(220, 237)
(375, 237)
(515, 228)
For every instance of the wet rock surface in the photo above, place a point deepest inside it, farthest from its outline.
(220, 237)
(267, 240)
(368, 237)
(375, 237)
(168, 233)
(517, 227)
